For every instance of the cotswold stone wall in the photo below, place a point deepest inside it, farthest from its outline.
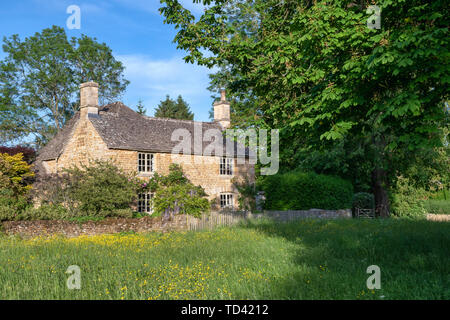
(311, 213)
(35, 228)
(438, 217)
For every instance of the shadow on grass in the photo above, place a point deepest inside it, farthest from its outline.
(332, 256)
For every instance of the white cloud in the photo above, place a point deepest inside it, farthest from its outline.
(151, 79)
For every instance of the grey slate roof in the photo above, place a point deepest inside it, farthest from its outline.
(56, 145)
(122, 128)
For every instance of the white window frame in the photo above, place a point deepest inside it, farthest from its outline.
(226, 200)
(146, 162)
(144, 204)
(226, 166)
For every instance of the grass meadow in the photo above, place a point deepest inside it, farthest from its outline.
(306, 259)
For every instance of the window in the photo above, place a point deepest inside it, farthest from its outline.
(226, 166)
(145, 162)
(226, 200)
(145, 202)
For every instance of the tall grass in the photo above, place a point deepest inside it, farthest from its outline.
(307, 259)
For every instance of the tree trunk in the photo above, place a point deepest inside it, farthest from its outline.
(379, 187)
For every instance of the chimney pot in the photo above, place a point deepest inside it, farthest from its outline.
(222, 95)
(222, 111)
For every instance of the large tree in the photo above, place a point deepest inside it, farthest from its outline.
(170, 108)
(242, 104)
(321, 73)
(39, 79)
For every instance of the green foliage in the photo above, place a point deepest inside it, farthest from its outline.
(429, 169)
(315, 70)
(243, 109)
(247, 194)
(407, 201)
(15, 174)
(174, 194)
(11, 206)
(95, 191)
(40, 77)
(440, 195)
(45, 212)
(174, 109)
(298, 190)
(23, 211)
(344, 158)
(122, 213)
(100, 188)
(140, 108)
(437, 206)
(363, 200)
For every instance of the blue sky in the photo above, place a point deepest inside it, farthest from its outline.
(134, 30)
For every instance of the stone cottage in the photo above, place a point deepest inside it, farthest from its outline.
(146, 145)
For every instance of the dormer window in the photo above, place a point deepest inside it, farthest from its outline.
(146, 162)
(226, 166)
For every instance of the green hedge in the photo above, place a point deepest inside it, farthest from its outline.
(406, 200)
(298, 190)
(437, 206)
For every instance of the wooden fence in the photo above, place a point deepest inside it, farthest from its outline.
(209, 221)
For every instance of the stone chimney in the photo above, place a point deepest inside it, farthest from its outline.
(88, 98)
(222, 111)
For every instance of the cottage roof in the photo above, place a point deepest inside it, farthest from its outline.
(122, 128)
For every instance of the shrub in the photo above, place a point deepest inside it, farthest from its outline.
(15, 174)
(440, 195)
(11, 207)
(100, 189)
(58, 212)
(407, 201)
(29, 154)
(97, 190)
(118, 213)
(298, 190)
(54, 189)
(363, 200)
(437, 206)
(247, 194)
(45, 212)
(175, 194)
